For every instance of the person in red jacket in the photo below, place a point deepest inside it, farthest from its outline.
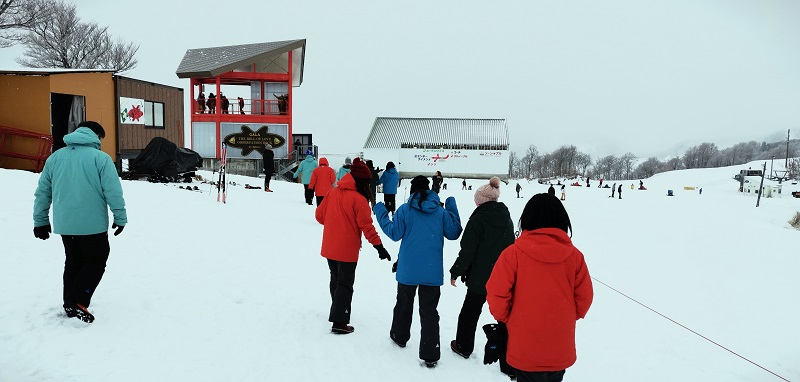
(546, 279)
(322, 180)
(345, 215)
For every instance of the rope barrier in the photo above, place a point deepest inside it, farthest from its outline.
(685, 327)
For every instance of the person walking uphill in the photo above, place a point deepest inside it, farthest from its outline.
(269, 165)
(345, 216)
(82, 184)
(390, 179)
(306, 167)
(322, 180)
(546, 279)
(488, 232)
(422, 225)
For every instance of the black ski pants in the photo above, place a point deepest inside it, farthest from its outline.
(85, 263)
(428, 318)
(343, 276)
(540, 376)
(319, 200)
(468, 321)
(389, 201)
(309, 194)
(267, 178)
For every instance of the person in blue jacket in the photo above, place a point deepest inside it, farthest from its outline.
(422, 225)
(305, 169)
(81, 183)
(390, 179)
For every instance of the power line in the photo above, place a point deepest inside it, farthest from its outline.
(685, 327)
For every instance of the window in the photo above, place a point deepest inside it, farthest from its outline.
(154, 114)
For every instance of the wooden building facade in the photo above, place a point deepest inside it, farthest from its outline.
(40, 106)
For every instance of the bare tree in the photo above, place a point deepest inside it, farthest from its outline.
(604, 166)
(513, 165)
(64, 41)
(526, 162)
(583, 162)
(626, 164)
(17, 16)
(648, 168)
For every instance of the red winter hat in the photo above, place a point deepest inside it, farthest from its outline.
(359, 170)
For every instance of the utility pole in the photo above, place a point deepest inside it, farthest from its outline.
(786, 165)
(761, 187)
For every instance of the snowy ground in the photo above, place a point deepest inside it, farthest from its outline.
(200, 291)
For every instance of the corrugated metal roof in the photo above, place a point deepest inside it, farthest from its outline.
(394, 133)
(210, 62)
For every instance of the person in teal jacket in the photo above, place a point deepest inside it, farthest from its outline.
(422, 224)
(82, 184)
(306, 167)
(345, 169)
(390, 179)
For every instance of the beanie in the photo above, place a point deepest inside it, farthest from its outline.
(359, 170)
(309, 152)
(488, 192)
(389, 165)
(347, 161)
(419, 183)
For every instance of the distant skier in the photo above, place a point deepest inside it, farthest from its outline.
(464, 184)
(551, 190)
(564, 192)
(619, 191)
(613, 188)
(519, 188)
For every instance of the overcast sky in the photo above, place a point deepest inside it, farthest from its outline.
(611, 76)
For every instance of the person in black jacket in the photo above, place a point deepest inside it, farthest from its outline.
(269, 166)
(489, 231)
(373, 183)
(436, 182)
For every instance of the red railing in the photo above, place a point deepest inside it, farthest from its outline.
(246, 106)
(45, 144)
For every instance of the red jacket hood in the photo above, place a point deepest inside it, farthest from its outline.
(347, 182)
(323, 161)
(548, 245)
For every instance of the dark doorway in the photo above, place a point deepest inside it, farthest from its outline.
(66, 112)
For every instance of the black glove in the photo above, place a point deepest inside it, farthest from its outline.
(118, 227)
(394, 267)
(496, 339)
(42, 232)
(383, 254)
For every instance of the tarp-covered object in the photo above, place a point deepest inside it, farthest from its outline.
(163, 157)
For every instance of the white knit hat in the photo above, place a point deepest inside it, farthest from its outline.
(488, 192)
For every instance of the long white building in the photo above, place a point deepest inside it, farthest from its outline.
(459, 148)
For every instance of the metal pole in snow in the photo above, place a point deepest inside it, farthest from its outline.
(761, 187)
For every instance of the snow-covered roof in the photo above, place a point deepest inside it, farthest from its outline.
(395, 133)
(268, 57)
(47, 71)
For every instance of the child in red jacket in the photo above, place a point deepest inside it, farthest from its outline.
(547, 280)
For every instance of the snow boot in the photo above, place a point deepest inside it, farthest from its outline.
(396, 342)
(79, 311)
(338, 328)
(429, 363)
(456, 349)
